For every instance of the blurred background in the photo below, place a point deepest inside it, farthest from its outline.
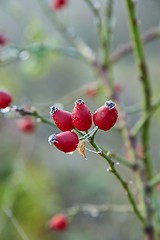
(36, 180)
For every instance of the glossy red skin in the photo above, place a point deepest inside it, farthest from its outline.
(59, 4)
(81, 117)
(66, 141)
(26, 125)
(5, 99)
(59, 222)
(63, 120)
(105, 118)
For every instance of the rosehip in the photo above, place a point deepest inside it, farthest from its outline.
(106, 116)
(66, 141)
(59, 4)
(5, 99)
(81, 116)
(62, 119)
(59, 222)
(26, 124)
(3, 40)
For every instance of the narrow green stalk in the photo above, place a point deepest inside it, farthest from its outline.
(16, 224)
(123, 183)
(106, 42)
(155, 181)
(65, 32)
(139, 125)
(34, 113)
(144, 78)
(95, 210)
(149, 36)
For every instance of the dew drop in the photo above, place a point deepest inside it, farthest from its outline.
(70, 153)
(94, 213)
(24, 55)
(5, 110)
(131, 182)
(108, 169)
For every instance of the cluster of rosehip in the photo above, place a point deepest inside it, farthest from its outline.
(80, 119)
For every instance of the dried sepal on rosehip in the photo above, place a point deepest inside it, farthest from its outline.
(81, 116)
(26, 125)
(58, 4)
(66, 142)
(106, 116)
(5, 99)
(59, 222)
(62, 119)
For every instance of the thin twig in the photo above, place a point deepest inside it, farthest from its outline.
(15, 223)
(139, 125)
(121, 180)
(149, 36)
(147, 173)
(95, 210)
(155, 181)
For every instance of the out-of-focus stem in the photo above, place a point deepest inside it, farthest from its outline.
(16, 224)
(149, 36)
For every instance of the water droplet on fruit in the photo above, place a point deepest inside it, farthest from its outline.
(70, 153)
(5, 110)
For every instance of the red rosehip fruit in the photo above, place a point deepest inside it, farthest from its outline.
(3, 40)
(62, 119)
(81, 116)
(58, 4)
(5, 99)
(26, 124)
(59, 222)
(66, 142)
(106, 116)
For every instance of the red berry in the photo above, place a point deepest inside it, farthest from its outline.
(59, 4)
(81, 116)
(66, 141)
(26, 124)
(3, 40)
(5, 99)
(59, 222)
(106, 116)
(62, 119)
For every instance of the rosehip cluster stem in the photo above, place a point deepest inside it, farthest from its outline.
(121, 180)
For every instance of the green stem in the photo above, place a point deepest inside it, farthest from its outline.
(34, 113)
(106, 42)
(15, 223)
(144, 78)
(150, 35)
(139, 125)
(123, 183)
(95, 210)
(155, 181)
(67, 33)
